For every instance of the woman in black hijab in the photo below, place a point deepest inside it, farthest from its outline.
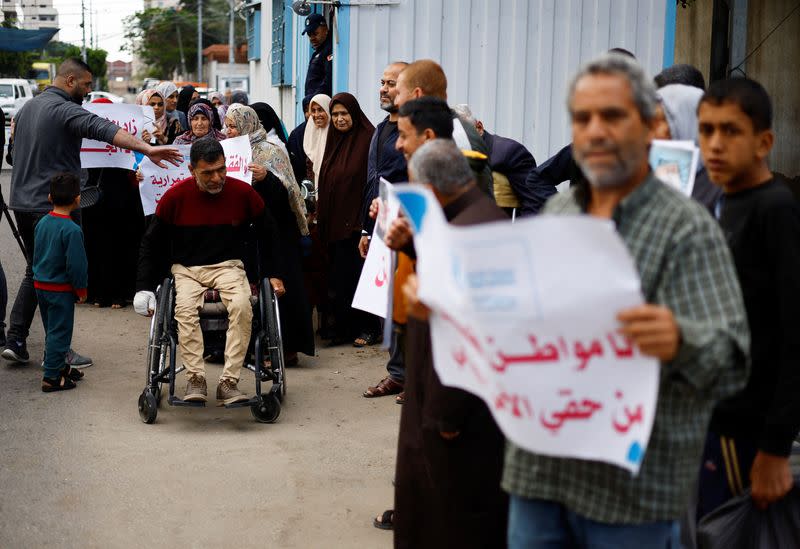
(342, 177)
(185, 97)
(270, 120)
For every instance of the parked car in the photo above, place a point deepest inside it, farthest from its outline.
(14, 92)
(98, 94)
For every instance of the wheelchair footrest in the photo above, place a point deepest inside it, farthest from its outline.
(243, 403)
(177, 401)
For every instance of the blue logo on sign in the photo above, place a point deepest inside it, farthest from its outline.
(415, 207)
(635, 453)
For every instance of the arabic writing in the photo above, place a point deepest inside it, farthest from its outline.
(237, 163)
(553, 352)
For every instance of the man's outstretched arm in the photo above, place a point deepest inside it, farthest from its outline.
(158, 155)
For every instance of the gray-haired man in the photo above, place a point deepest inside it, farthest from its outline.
(694, 322)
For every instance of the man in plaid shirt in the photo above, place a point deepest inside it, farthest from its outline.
(693, 321)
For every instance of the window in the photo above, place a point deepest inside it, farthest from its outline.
(281, 53)
(253, 34)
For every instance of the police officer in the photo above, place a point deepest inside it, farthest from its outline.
(319, 78)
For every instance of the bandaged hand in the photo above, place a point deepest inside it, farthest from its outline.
(144, 302)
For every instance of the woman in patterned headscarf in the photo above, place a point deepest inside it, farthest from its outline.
(200, 117)
(274, 180)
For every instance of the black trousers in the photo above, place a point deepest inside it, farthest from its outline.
(25, 303)
(345, 264)
(3, 302)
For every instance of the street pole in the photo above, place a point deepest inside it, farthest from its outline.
(200, 41)
(83, 28)
(231, 46)
(91, 25)
(180, 49)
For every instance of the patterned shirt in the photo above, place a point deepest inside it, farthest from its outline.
(684, 264)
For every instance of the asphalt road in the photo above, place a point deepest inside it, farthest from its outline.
(79, 468)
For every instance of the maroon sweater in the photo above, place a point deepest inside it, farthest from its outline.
(192, 227)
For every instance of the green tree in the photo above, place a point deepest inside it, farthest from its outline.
(95, 58)
(153, 35)
(158, 35)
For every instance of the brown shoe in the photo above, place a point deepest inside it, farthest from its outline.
(228, 392)
(196, 389)
(387, 386)
(401, 398)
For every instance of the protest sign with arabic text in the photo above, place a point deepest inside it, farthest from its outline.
(374, 284)
(524, 316)
(131, 118)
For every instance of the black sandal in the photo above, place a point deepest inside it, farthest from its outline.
(61, 383)
(386, 521)
(369, 339)
(74, 374)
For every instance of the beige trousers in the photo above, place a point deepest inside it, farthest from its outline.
(230, 280)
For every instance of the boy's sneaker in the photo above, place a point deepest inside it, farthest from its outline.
(16, 351)
(196, 389)
(78, 361)
(228, 392)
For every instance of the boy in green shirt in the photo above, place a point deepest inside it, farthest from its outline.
(60, 276)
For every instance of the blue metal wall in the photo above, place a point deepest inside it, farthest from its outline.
(510, 60)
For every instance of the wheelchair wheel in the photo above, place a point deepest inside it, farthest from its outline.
(267, 410)
(148, 407)
(272, 318)
(157, 346)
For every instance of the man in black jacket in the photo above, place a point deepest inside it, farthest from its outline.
(506, 156)
(319, 78)
(751, 433)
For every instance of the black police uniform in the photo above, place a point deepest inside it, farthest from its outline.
(319, 78)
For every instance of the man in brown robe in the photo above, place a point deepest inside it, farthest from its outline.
(450, 451)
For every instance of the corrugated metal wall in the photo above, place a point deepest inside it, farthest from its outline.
(510, 60)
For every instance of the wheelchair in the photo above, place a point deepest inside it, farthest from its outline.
(264, 357)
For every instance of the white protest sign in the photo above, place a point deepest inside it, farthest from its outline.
(157, 181)
(524, 316)
(675, 163)
(374, 284)
(131, 118)
(238, 155)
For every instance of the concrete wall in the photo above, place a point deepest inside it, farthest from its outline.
(776, 64)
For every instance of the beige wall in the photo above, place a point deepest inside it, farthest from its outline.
(776, 65)
(693, 35)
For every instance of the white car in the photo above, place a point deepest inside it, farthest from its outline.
(14, 92)
(98, 94)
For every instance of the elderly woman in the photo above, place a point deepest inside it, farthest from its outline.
(342, 178)
(164, 129)
(316, 135)
(200, 125)
(274, 181)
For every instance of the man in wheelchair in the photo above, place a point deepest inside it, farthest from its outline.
(198, 233)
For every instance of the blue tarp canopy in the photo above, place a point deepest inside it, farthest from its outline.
(25, 40)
